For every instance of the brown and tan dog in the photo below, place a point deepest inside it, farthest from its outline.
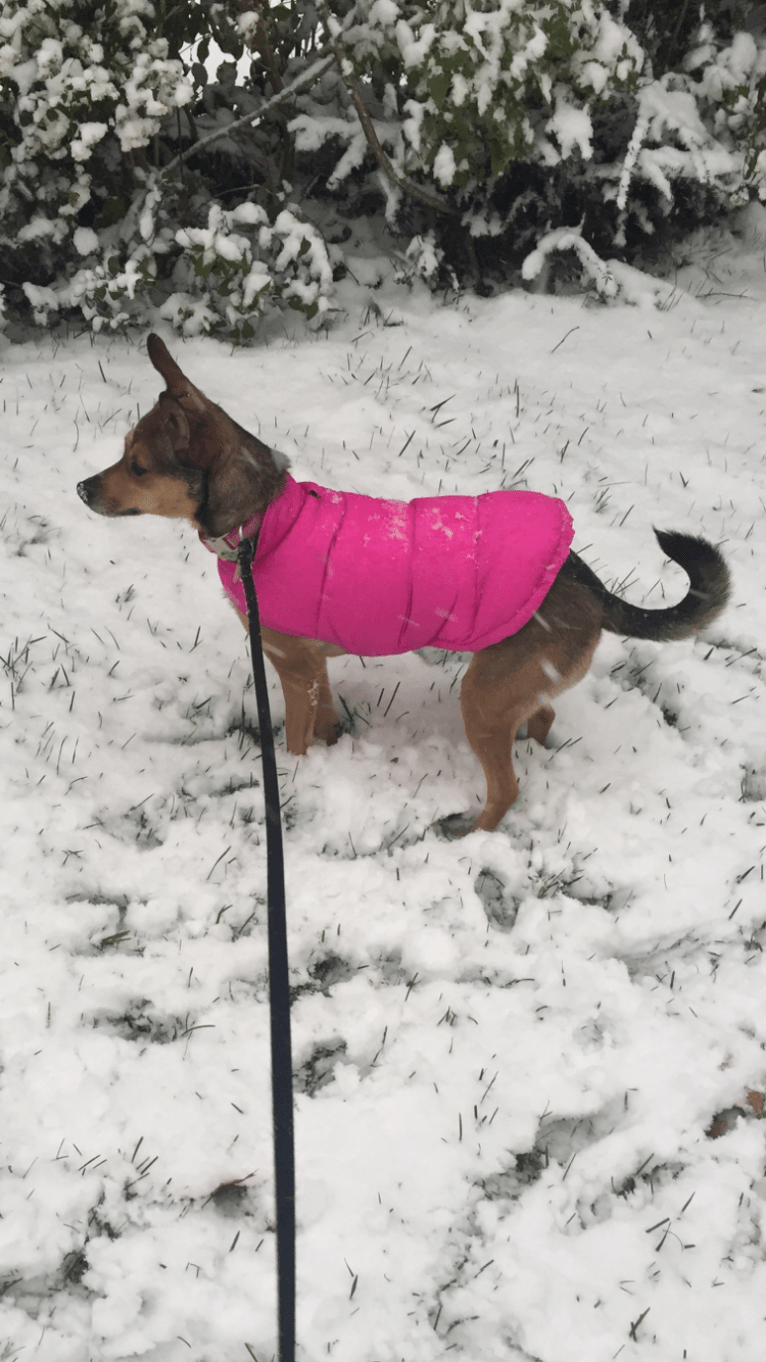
(187, 458)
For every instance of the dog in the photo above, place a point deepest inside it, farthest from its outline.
(493, 575)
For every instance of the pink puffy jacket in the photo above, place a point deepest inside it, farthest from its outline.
(377, 577)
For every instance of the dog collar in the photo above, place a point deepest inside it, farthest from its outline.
(226, 546)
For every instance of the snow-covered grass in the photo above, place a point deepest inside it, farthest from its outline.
(510, 1050)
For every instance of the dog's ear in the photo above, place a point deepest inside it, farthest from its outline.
(175, 424)
(242, 474)
(178, 385)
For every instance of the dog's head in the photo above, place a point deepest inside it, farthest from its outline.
(187, 458)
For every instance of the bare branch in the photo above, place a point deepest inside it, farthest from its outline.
(384, 161)
(368, 127)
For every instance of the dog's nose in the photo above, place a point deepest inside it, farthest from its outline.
(84, 492)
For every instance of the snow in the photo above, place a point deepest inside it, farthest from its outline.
(89, 134)
(572, 127)
(444, 165)
(414, 50)
(510, 1050)
(85, 240)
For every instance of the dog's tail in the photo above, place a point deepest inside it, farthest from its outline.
(709, 590)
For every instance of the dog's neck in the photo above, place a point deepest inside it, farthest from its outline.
(226, 546)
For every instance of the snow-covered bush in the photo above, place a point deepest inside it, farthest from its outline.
(729, 83)
(227, 277)
(532, 118)
(80, 101)
(704, 124)
(488, 84)
(285, 259)
(97, 211)
(140, 173)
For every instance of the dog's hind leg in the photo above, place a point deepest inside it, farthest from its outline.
(514, 681)
(490, 723)
(495, 699)
(539, 724)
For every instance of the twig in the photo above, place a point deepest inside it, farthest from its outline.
(386, 165)
(368, 128)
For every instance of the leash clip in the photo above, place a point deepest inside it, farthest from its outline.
(251, 540)
(222, 548)
(230, 553)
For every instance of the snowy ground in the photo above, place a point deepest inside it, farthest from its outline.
(509, 1050)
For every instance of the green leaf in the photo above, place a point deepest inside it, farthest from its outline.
(439, 86)
(113, 210)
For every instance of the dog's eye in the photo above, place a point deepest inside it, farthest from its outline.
(136, 469)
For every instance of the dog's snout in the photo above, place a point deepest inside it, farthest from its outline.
(85, 490)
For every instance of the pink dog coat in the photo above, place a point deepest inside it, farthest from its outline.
(377, 577)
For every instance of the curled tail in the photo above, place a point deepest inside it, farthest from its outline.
(709, 590)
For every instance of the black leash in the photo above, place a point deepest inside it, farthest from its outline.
(279, 984)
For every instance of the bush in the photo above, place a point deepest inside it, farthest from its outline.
(98, 212)
(134, 182)
(533, 118)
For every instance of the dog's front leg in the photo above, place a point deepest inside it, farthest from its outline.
(302, 669)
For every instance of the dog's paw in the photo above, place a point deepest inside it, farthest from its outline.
(454, 825)
(328, 734)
